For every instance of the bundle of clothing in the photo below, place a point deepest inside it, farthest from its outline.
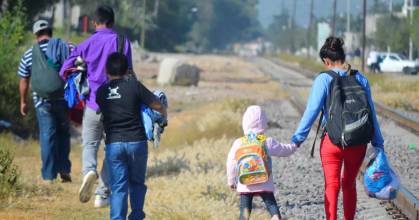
(380, 181)
(154, 122)
(76, 89)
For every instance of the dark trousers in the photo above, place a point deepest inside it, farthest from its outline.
(246, 204)
(54, 138)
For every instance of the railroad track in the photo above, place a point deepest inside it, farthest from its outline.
(406, 205)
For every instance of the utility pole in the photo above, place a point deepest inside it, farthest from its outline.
(364, 12)
(156, 8)
(334, 18)
(67, 17)
(143, 24)
(348, 16)
(294, 14)
(390, 7)
(309, 28)
(410, 37)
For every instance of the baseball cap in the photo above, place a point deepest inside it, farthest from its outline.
(40, 25)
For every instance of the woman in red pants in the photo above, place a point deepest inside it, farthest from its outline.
(333, 156)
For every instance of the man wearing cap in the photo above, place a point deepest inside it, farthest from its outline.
(51, 109)
(95, 51)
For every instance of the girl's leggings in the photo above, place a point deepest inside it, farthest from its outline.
(246, 204)
(332, 158)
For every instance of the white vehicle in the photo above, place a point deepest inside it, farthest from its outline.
(393, 62)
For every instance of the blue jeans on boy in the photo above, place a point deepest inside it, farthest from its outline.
(54, 137)
(127, 163)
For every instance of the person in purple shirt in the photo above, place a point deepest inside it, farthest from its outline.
(95, 51)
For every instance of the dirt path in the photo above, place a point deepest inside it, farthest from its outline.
(185, 180)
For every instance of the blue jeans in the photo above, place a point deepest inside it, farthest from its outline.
(247, 199)
(54, 137)
(92, 133)
(127, 162)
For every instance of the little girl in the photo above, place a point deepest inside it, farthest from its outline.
(254, 125)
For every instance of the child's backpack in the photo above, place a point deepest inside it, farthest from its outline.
(253, 161)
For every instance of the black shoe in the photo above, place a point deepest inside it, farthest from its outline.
(65, 177)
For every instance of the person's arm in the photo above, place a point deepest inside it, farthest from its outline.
(24, 72)
(377, 139)
(279, 149)
(314, 105)
(150, 99)
(23, 91)
(231, 165)
(69, 62)
(156, 105)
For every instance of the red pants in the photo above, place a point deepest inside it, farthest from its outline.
(332, 158)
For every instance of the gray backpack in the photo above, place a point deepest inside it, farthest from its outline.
(45, 79)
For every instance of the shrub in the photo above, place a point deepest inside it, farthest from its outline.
(170, 165)
(8, 174)
(12, 35)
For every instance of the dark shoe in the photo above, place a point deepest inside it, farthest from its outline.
(65, 177)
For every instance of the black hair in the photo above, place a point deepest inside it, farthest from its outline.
(333, 49)
(47, 31)
(104, 15)
(117, 64)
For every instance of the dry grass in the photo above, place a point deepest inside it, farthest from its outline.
(198, 191)
(186, 176)
(212, 120)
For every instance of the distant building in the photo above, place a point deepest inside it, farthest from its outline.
(58, 14)
(352, 41)
(323, 33)
(371, 24)
(253, 48)
(406, 8)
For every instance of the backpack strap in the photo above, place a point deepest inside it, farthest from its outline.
(332, 73)
(317, 132)
(120, 43)
(353, 72)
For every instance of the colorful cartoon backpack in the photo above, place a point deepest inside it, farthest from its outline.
(253, 162)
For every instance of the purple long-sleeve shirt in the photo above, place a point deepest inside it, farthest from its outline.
(94, 51)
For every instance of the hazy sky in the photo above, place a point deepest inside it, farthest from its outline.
(322, 8)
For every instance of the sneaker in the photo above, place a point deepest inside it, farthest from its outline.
(86, 189)
(65, 177)
(101, 201)
(276, 217)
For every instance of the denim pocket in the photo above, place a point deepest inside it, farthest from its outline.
(44, 108)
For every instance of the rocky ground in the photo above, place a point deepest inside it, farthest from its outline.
(300, 178)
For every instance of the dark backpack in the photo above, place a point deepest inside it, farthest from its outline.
(349, 113)
(45, 80)
(120, 46)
